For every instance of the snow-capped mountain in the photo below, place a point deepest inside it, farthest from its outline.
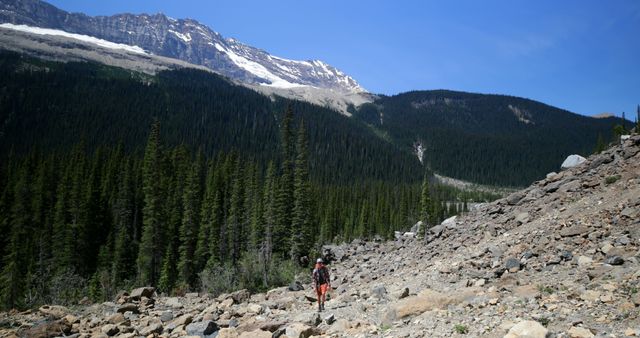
(187, 40)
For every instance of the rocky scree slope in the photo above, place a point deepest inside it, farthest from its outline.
(558, 259)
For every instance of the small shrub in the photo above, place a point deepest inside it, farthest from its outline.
(544, 321)
(461, 329)
(385, 327)
(546, 289)
(611, 179)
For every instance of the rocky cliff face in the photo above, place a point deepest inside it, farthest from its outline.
(558, 259)
(187, 40)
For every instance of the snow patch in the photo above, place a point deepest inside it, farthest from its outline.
(183, 37)
(257, 70)
(85, 38)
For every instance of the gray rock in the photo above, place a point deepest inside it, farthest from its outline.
(574, 231)
(512, 264)
(166, 316)
(330, 319)
(240, 296)
(151, 329)
(201, 328)
(173, 302)
(110, 330)
(296, 286)
(566, 255)
(522, 217)
(379, 291)
(233, 322)
(614, 260)
(146, 291)
(128, 307)
(514, 198)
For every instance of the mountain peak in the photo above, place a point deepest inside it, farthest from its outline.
(187, 40)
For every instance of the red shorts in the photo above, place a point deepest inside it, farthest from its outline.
(322, 289)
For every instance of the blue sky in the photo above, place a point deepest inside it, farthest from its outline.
(580, 55)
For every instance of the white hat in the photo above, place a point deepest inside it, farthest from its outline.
(319, 260)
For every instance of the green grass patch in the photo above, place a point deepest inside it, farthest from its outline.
(461, 329)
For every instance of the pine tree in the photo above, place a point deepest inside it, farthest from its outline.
(301, 236)
(284, 198)
(236, 217)
(268, 221)
(168, 274)
(123, 264)
(201, 255)
(425, 205)
(149, 255)
(15, 262)
(189, 228)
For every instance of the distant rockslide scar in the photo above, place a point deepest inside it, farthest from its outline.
(558, 259)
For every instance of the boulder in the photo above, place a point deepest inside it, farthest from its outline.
(514, 198)
(227, 333)
(299, 330)
(527, 329)
(240, 296)
(128, 307)
(295, 286)
(580, 332)
(379, 291)
(574, 231)
(572, 161)
(201, 328)
(614, 260)
(152, 328)
(49, 329)
(173, 302)
(255, 334)
(110, 330)
(584, 261)
(426, 300)
(138, 293)
(449, 222)
(512, 264)
(116, 318)
(55, 311)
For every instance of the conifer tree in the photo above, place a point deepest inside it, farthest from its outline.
(189, 227)
(123, 264)
(201, 255)
(168, 274)
(149, 254)
(268, 220)
(425, 205)
(236, 219)
(301, 236)
(15, 262)
(284, 198)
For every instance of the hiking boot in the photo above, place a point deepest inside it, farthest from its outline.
(319, 308)
(322, 306)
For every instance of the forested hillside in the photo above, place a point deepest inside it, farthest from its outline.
(54, 105)
(491, 139)
(183, 181)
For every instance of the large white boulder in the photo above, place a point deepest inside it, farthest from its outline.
(572, 161)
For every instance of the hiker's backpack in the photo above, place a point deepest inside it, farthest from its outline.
(321, 276)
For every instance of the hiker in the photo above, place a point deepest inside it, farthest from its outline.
(321, 282)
